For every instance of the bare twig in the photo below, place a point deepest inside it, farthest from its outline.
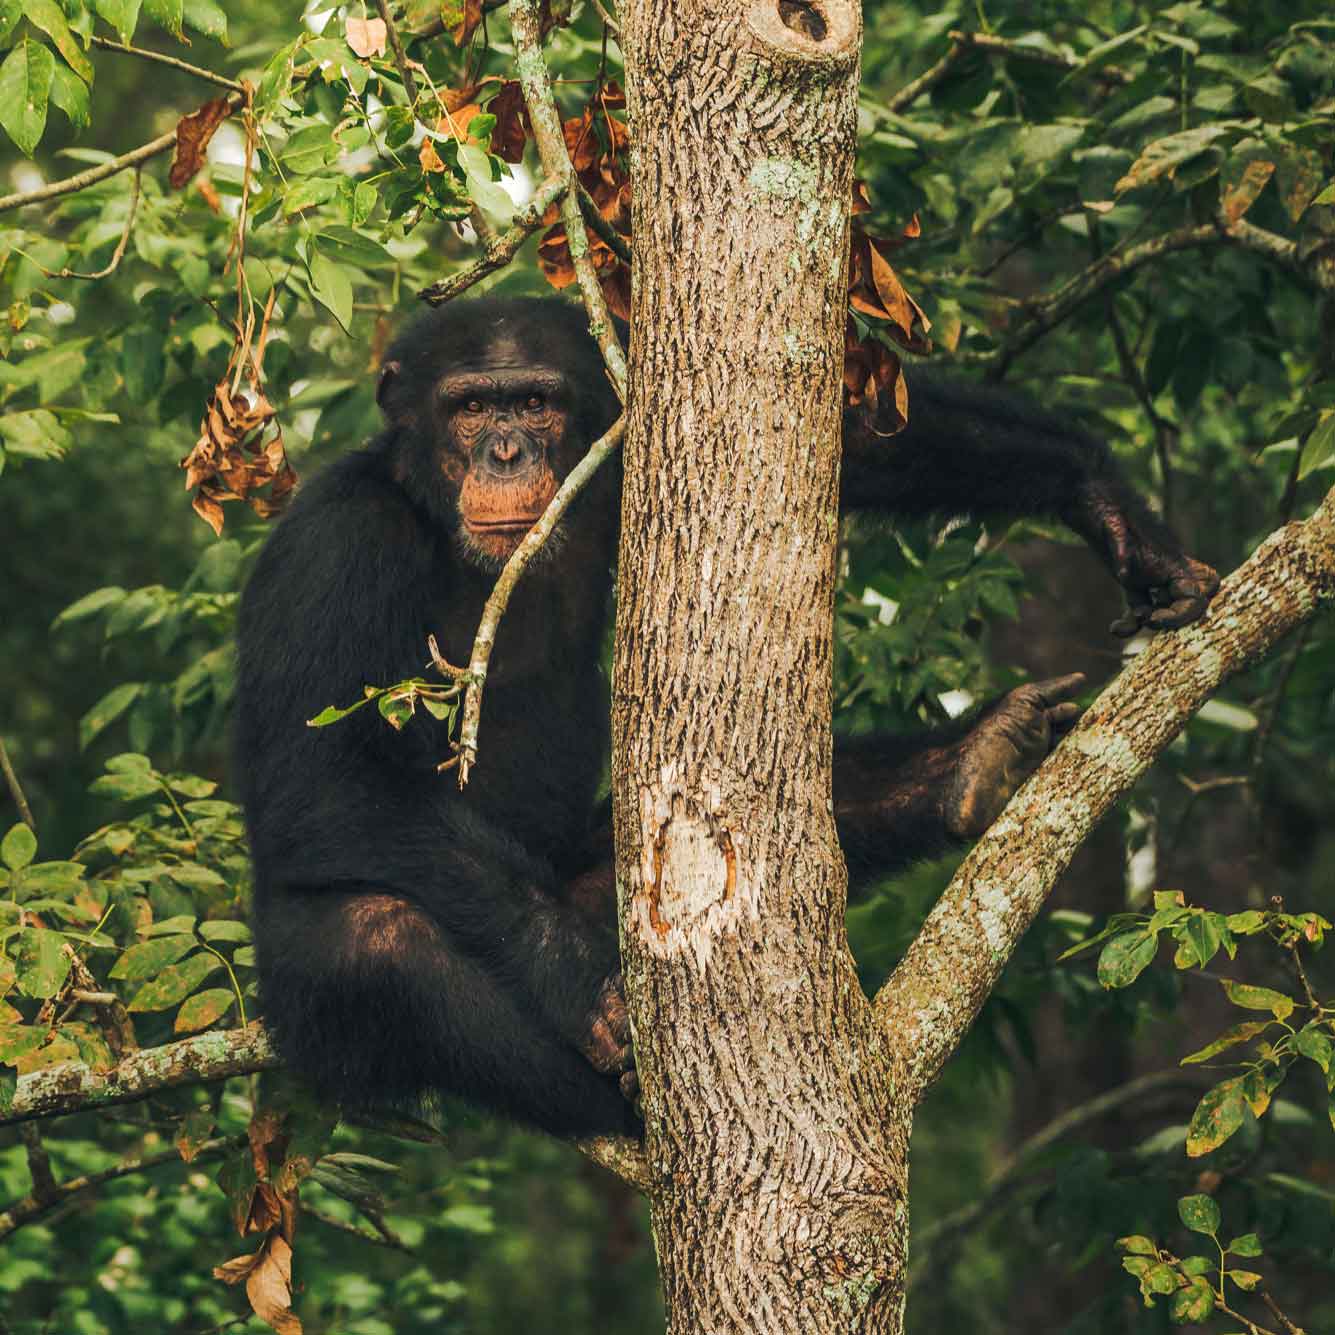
(164, 143)
(952, 966)
(1045, 313)
(1289, 1327)
(526, 29)
(383, 1236)
(1008, 1177)
(119, 253)
(45, 1189)
(400, 55)
(502, 250)
(16, 788)
(615, 241)
(30, 1208)
(499, 598)
(962, 43)
(606, 17)
(159, 59)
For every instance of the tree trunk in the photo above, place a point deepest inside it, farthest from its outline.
(778, 1162)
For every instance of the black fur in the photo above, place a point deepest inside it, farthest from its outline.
(414, 938)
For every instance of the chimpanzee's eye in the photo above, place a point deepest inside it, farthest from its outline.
(535, 402)
(475, 406)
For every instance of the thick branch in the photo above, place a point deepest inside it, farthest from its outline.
(164, 143)
(952, 966)
(499, 598)
(502, 250)
(526, 27)
(72, 1087)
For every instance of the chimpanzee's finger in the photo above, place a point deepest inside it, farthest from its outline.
(1129, 623)
(1058, 689)
(630, 1086)
(1062, 718)
(1184, 599)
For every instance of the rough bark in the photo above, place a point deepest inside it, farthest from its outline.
(777, 1178)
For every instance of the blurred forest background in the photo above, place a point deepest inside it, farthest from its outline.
(1057, 135)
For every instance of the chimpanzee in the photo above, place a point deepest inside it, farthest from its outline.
(414, 938)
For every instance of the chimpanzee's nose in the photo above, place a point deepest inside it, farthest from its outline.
(504, 451)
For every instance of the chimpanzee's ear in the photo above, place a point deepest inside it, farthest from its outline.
(387, 374)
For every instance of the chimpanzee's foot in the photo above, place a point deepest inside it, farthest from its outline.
(608, 1046)
(1005, 747)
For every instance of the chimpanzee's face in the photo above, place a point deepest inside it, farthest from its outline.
(501, 425)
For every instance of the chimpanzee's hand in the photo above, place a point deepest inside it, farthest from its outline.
(607, 1046)
(1164, 587)
(1006, 745)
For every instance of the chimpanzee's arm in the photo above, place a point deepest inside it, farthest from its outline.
(972, 449)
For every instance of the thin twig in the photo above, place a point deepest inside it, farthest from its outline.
(502, 250)
(30, 1209)
(45, 1188)
(159, 59)
(16, 788)
(82, 180)
(1007, 1179)
(400, 55)
(526, 29)
(499, 597)
(384, 1236)
(119, 253)
(606, 17)
(1043, 314)
(616, 243)
(1279, 1316)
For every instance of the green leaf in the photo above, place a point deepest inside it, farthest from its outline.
(1164, 156)
(1137, 1244)
(1193, 1304)
(124, 787)
(1315, 1046)
(1218, 1115)
(224, 929)
(194, 877)
(70, 94)
(244, 957)
(1320, 447)
(169, 13)
(1199, 1213)
(1198, 1265)
(108, 709)
(1160, 1279)
(16, 1039)
(1245, 924)
(182, 922)
(143, 362)
(42, 962)
(1200, 937)
(1247, 1245)
(149, 958)
(48, 16)
(309, 150)
(18, 848)
(25, 86)
(50, 877)
(206, 17)
(1258, 998)
(89, 605)
(1126, 957)
(1240, 1033)
(175, 983)
(331, 287)
(204, 1008)
(123, 15)
(129, 762)
(1246, 1280)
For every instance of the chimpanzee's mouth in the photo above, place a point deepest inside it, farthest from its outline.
(501, 525)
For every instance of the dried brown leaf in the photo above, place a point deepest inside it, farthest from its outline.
(512, 125)
(367, 37)
(193, 133)
(268, 1278)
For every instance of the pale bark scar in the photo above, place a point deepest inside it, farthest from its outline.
(694, 870)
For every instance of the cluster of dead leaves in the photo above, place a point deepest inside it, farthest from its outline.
(460, 106)
(462, 18)
(872, 372)
(597, 142)
(235, 456)
(263, 1194)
